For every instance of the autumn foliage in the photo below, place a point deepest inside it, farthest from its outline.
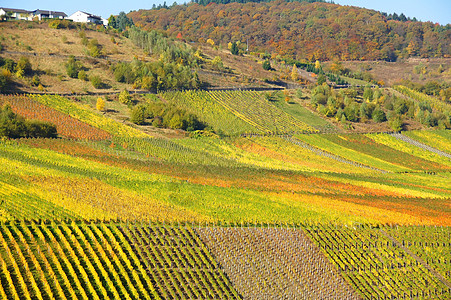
(312, 31)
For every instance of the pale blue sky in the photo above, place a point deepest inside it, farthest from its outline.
(430, 10)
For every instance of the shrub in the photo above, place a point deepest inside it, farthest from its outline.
(125, 98)
(396, 123)
(14, 126)
(35, 81)
(267, 65)
(72, 67)
(379, 115)
(137, 115)
(100, 104)
(96, 82)
(82, 75)
(24, 66)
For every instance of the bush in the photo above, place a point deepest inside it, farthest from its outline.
(100, 104)
(267, 65)
(5, 78)
(82, 75)
(379, 115)
(72, 67)
(321, 79)
(23, 66)
(96, 82)
(137, 115)
(35, 81)
(125, 98)
(14, 126)
(396, 123)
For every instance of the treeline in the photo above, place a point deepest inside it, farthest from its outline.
(441, 90)
(120, 22)
(205, 2)
(300, 30)
(15, 126)
(361, 105)
(156, 76)
(174, 70)
(165, 116)
(155, 42)
(20, 69)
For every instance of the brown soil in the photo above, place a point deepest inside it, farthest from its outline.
(411, 69)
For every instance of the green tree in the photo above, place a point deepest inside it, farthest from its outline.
(234, 49)
(125, 98)
(321, 79)
(267, 65)
(137, 115)
(96, 82)
(368, 94)
(24, 66)
(378, 115)
(72, 67)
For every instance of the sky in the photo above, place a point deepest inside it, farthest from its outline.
(437, 11)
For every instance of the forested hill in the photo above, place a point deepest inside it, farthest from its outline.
(313, 31)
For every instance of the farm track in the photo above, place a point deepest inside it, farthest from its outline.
(409, 140)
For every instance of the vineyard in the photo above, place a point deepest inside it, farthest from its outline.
(106, 211)
(84, 260)
(238, 112)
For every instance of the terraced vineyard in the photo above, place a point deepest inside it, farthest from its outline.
(248, 111)
(79, 259)
(108, 212)
(67, 126)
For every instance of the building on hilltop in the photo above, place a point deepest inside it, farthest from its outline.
(15, 14)
(22, 14)
(84, 17)
(48, 14)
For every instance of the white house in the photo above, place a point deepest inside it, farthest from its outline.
(83, 17)
(16, 14)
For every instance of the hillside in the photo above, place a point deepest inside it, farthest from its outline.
(49, 49)
(141, 166)
(311, 31)
(106, 210)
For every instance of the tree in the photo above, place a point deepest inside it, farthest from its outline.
(321, 79)
(100, 105)
(112, 21)
(137, 115)
(234, 49)
(378, 115)
(125, 98)
(294, 73)
(396, 123)
(72, 67)
(217, 63)
(23, 66)
(122, 21)
(14, 126)
(317, 65)
(267, 65)
(368, 94)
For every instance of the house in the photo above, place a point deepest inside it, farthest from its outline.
(83, 17)
(15, 14)
(48, 14)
